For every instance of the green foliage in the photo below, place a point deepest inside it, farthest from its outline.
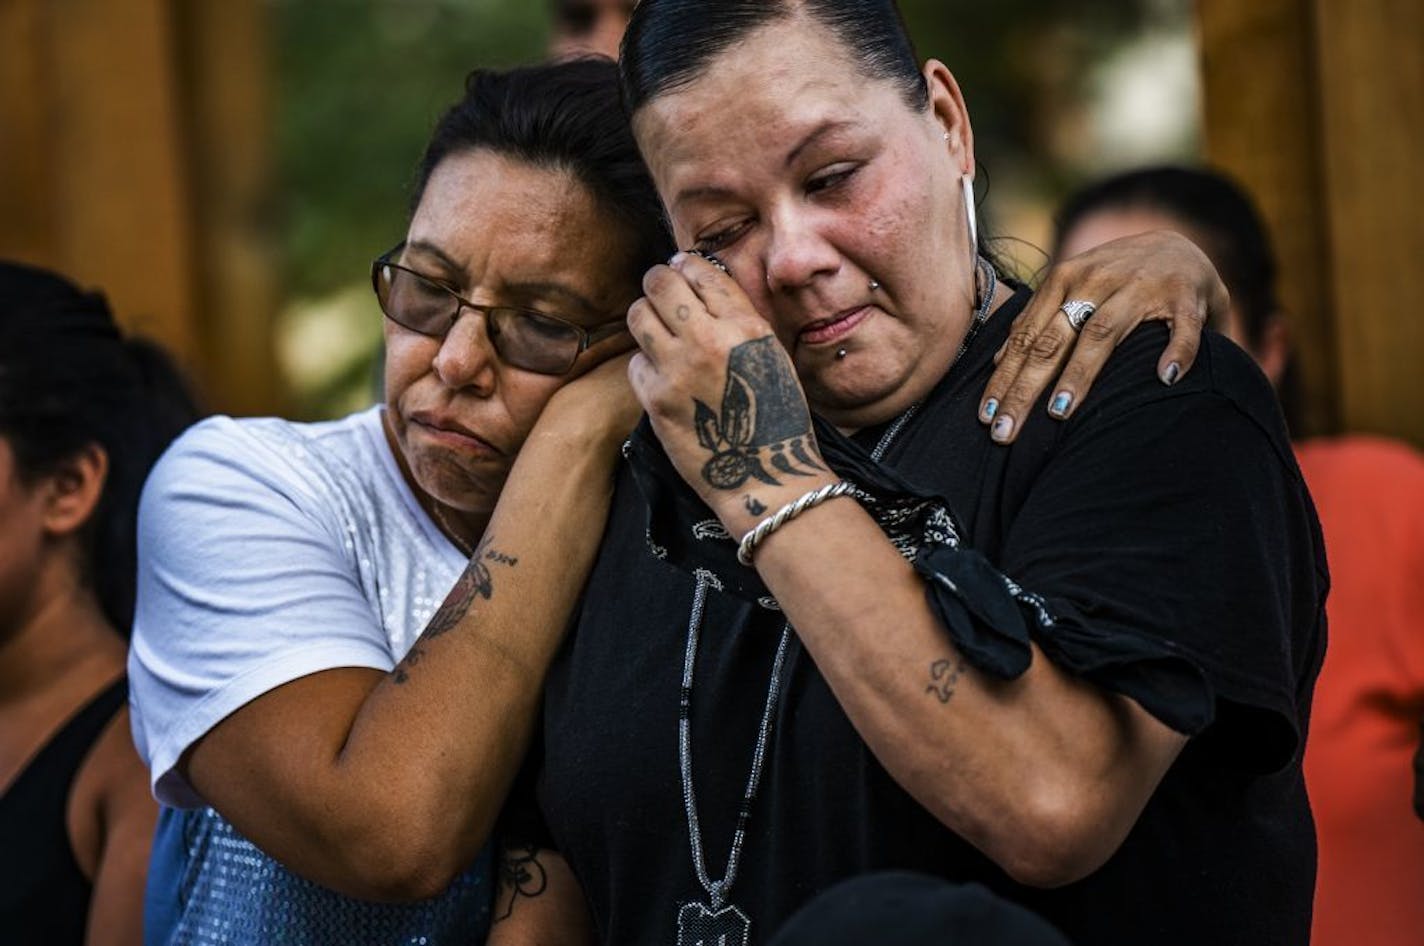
(360, 84)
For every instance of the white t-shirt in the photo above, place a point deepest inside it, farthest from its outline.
(270, 550)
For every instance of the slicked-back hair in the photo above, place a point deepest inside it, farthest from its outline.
(670, 43)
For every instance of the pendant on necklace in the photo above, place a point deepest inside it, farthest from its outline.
(699, 925)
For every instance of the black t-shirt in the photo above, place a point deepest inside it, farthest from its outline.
(1173, 514)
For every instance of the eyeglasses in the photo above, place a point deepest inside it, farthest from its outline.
(524, 338)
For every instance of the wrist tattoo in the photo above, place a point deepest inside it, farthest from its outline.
(944, 677)
(520, 875)
(763, 423)
(754, 506)
(474, 582)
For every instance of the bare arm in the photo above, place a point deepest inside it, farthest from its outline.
(384, 786)
(539, 902)
(1045, 774)
(112, 790)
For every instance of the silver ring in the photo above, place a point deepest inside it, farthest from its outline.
(1078, 312)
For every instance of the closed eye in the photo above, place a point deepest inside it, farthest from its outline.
(829, 180)
(721, 239)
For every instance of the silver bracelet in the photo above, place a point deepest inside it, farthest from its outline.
(786, 513)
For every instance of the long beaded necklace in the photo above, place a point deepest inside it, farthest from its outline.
(718, 922)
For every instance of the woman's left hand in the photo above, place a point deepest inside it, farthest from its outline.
(1158, 275)
(721, 393)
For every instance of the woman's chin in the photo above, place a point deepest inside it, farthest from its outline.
(474, 492)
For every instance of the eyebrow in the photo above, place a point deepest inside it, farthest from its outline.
(430, 249)
(525, 290)
(546, 289)
(710, 192)
(820, 131)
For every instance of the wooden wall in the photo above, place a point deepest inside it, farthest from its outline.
(134, 157)
(1318, 107)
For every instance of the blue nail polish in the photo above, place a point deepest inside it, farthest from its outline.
(990, 408)
(1061, 402)
(1173, 372)
(1003, 428)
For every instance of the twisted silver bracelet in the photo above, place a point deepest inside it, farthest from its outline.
(786, 513)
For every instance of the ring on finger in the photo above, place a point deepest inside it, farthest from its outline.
(1078, 312)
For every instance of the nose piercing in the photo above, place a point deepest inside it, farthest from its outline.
(875, 285)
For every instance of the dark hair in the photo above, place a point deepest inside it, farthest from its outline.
(564, 115)
(69, 379)
(669, 43)
(1214, 206)
(1223, 214)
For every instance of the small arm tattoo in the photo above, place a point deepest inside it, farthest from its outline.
(474, 582)
(944, 677)
(520, 875)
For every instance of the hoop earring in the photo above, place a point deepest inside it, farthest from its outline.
(968, 183)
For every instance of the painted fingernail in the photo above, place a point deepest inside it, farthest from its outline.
(1173, 372)
(990, 408)
(1061, 402)
(1003, 429)
(677, 259)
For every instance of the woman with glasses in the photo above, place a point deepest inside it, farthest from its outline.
(329, 735)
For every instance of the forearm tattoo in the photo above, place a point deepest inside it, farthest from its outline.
(763, 428)
(520, 875)
(944, 677)
(474, 582)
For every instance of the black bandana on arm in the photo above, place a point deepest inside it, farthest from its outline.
(988, 616)
(986, 613)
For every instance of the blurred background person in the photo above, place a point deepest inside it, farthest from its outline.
(1369, 493)
(581, 27)
(84, 413)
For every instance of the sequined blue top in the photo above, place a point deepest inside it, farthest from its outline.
(268, 551)
(208, 885)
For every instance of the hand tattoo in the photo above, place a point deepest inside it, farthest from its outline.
(763, 418)
(474, 582)
(944, 676)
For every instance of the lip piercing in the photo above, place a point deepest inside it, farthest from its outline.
(840, 353)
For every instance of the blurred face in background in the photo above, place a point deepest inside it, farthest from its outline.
(21, 540)
(1112, 223)
(589, 26)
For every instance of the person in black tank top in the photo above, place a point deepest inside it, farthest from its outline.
(83, 415)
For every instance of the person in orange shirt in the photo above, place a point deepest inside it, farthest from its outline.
(1363, 757)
